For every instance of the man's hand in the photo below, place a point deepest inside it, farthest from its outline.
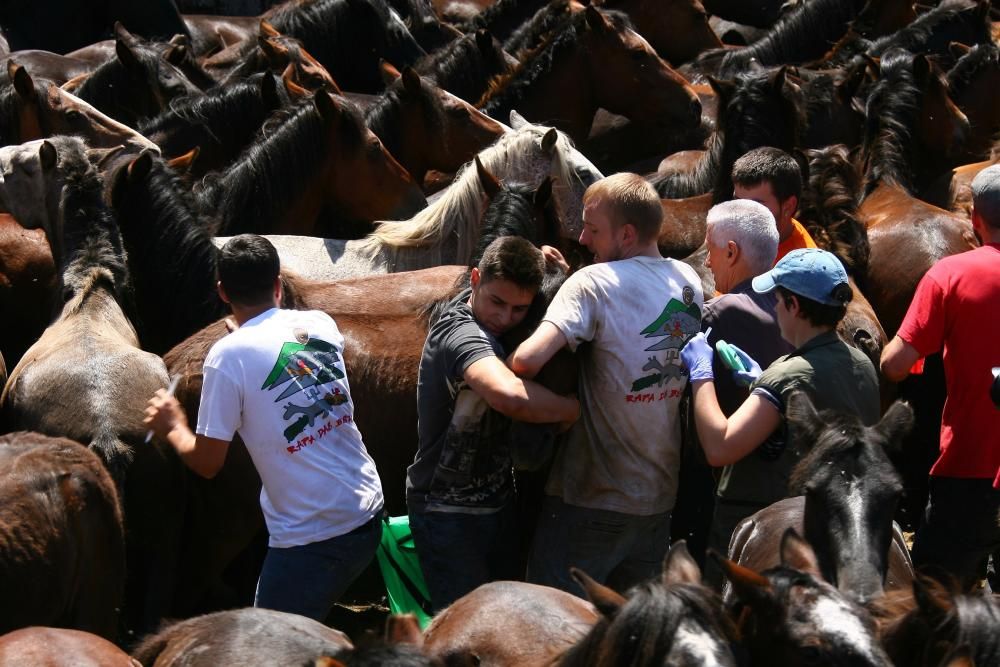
(164, 414)
(555, 258)
(753, 369)
(697, 356)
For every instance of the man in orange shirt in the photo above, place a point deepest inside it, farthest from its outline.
(772, 177)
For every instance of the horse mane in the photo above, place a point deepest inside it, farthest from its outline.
(548, 20)
(290, 149)
(829, 207)
(968, 66)
(228, 113)
(889, 112)
(925, 33)
(840, 434)
(10, 108)
(462, 67)
(457, 214)
(503, 17)
(509, 91)
(382, 117)
(818, 23)
(642, 631)
(512, 212)
(110, 81)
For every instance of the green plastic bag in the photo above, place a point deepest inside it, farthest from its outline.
(400, 566)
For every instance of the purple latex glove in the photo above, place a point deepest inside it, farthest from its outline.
(697, 356)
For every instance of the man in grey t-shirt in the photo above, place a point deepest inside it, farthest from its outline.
(613, 482)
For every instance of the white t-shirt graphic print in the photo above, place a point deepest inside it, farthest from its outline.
(280, 382)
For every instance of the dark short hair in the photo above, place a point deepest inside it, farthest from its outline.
(248, 265)
(515, 259)
(772, 165)
(820, 314)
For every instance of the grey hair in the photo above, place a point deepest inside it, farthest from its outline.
(750, 226)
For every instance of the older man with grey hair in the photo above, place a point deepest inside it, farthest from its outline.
(742, 242)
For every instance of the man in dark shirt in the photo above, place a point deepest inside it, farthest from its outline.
(459, 489)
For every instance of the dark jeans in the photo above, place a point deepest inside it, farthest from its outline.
(726, 517)
(308, 579)
(617, 549)
(960, 527)
(459, 552)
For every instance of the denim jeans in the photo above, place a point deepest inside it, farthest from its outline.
(459, 552)
(617, 549)
(308, 579)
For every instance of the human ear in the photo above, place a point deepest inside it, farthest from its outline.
(474, 277)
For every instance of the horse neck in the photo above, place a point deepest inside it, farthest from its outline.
(98, 310)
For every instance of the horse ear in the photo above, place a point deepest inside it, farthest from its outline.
(175, 54)
(268, 30)
(779, 78)
(798, 555)
(607, 601)
(802, 417)
(325, 105)
(749, 586)
(184, 162)
(295, 91)
(403, 629)
(484, 40)
(957, 49)
(517, 121)
(896, 424)
(411, 81)
(140, 167)
(273, 52)
(679, 567)
(491, 186)
(126, 55)
(23, 84)
(724, 89)
(47, 156)
(549, 140)
(122, 34)
(543, 194)
(179, 40)
(596, 20)
(388, 72)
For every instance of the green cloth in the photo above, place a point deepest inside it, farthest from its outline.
(400, 566)
(837, 377)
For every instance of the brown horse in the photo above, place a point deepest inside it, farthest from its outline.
(27, 284)
(33, 108)
(241, 636)
(51, 647)
(846, 494)
(62, 558)
(677, 29)
(317, 171)
(597, 61)
(86, 377)
(972, 83)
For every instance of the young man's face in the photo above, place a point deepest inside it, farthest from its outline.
(600, 234)
(763, 193)
(499, 305)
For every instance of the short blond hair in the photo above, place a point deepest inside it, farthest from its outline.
(629, 199)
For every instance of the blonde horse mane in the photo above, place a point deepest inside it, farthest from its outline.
(458, 212)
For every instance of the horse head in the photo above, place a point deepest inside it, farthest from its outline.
(851, 490)
(791, 616)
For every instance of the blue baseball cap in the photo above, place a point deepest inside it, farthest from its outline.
(810, 272)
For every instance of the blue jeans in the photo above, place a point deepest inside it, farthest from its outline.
(620, 550)
(460, 552)
(308, 579)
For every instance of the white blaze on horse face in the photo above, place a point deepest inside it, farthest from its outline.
(694, 645)
(834, 616)
(855, 508)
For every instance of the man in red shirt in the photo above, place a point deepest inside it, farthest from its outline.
(772, 177)
(955, 310)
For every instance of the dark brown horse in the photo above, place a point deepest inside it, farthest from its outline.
(465, 66)
(316, 171)
(62, 556)
(27, 286)
(972, 83)
(846, 491)
(598, 61)
(677, 29)
(49, 647)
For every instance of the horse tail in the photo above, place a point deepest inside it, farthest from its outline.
(116, 455)
(830, 205)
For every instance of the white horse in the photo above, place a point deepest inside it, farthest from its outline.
(446, 232)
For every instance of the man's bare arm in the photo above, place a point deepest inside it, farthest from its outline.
(166, 418)
(898, 358)
(531, 355)
(522, 400)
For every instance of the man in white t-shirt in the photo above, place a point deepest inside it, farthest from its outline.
(279, 381)
(613, 483)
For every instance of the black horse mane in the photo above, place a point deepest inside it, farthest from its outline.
(642, 631)
(463, 68)
(228, 113)
(110, 82)
(933, 30)
(969, 65)
(382, 116)
(290, 150)
(797, 35)
(755, 114)
(829, 207)
(892, 104)
(509, 91)
(840, 433)
(548, 20)
(503, 17)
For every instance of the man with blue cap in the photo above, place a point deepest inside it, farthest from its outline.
(813, 293)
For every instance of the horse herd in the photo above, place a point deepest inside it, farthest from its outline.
(381, 144)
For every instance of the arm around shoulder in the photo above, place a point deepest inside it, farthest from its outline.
(522, 400)
(531, 355)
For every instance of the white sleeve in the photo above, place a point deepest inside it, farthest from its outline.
(574, 310)
(221, 407)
